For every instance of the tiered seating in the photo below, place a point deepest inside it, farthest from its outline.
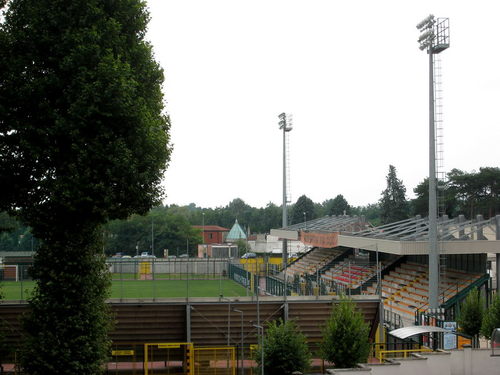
(350, 273)
(406, 288)
(313, 261)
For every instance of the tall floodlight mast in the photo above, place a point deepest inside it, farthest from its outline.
(286, 125)
(434, 38)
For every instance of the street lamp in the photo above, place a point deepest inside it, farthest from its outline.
(260, 333)
(434, 38)
(378, 269)
(241, 341)
(228, 319)
(203, 234)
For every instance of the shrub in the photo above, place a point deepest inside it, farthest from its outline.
(345, 336)
(491, 318)
(471, 315)
(285, 349)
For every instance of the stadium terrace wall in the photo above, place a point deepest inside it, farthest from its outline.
(207, 321)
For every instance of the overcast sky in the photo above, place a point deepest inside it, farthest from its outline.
(352, 75)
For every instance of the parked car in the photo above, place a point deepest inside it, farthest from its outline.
(249, 256)
(184, 256)
(144, 254)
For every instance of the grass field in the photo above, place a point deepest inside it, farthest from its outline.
(12, 290)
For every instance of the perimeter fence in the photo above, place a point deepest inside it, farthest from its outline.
(141, 278)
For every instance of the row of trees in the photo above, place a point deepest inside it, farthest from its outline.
(344, 343)
(169, 227)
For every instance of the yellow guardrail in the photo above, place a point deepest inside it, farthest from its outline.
(382, 354)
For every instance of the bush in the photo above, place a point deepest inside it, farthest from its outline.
(285, 349)
(345, 336)
(491, 318)
(471, 315)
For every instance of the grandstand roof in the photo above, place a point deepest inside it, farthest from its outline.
(405, 237)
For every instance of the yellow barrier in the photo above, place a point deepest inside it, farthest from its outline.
(171, 356)
(182, 358)
(145, 271)
(382, 353)
(215, 361)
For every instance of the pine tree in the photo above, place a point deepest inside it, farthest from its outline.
(285, 349)
(471, 315)
(345, 336)
(393, 204)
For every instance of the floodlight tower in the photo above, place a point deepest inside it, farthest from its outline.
(435, 38)
(285, 124)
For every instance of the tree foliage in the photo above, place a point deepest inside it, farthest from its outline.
(471, 314)
(345, 336)
(420, 205)
(302, 209)
(338, 206)
(476, 192)
(160, 229)
(491, 318)
(467, 193)
(83, 140)
(371, 212)
(285, 349)
(393, 204)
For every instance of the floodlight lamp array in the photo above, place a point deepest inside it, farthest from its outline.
(285, 121)
(426, 23)
(427, 36)
(435, 34)
(282, 122)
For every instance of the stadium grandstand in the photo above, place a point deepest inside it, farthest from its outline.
(351, 257)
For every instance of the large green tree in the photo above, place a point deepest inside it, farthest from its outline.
(476, 192)
(83, 139)
(338, 206)
(446, 199)
(393, 203)
(302, 209)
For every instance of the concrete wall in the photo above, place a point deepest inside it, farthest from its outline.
(474, 362)
(455, 362)
(174, 266)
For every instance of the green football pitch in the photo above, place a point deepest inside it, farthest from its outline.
(12, 290)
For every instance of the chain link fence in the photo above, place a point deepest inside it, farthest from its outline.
(142, 278)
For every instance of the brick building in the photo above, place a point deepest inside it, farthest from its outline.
(212, 234)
